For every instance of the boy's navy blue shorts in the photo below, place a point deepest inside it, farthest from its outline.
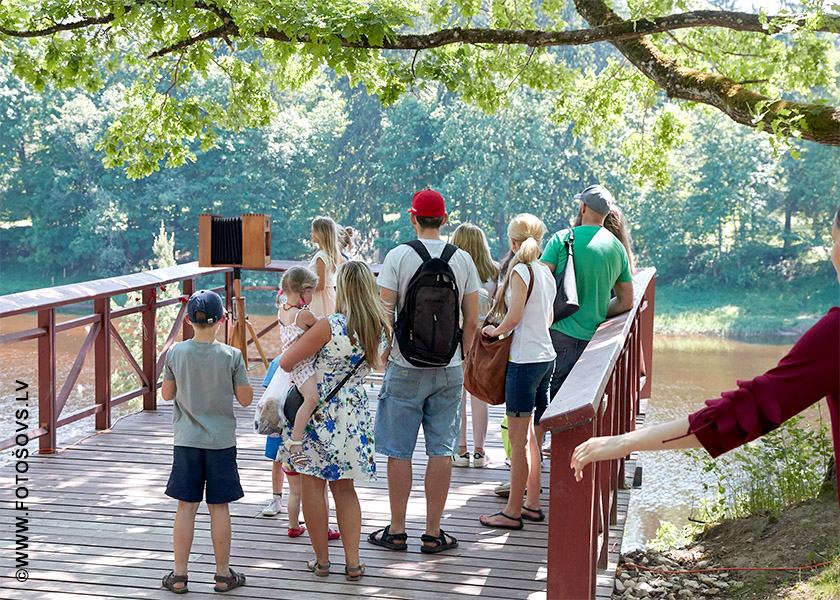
(192, 468)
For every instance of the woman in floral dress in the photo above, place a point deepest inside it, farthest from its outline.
(338, 440)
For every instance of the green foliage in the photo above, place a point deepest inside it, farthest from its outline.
(780, 469)
(191, 74)
(668, 536)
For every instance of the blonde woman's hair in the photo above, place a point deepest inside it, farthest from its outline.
(471, 239)
(326, 231)
(357, 297)
(529, 231)
(298, 279)
(616, 223)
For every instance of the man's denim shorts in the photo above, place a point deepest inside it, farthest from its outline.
(526, 388)
(193, 468)
(410, 397)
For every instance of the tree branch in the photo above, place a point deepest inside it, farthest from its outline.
(89, 22)
(608, 32)
(815, 122)
(222, 31)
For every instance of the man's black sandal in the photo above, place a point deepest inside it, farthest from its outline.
(170, 580)
(387, 539)
(234, 580)
(440, 543)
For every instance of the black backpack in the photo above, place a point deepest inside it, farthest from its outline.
(428, 326)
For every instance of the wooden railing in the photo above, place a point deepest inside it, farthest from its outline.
(600, 397)
(103, 335)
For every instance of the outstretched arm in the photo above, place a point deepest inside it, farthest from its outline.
(647, 438)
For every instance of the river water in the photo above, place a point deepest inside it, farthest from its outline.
(686, 371)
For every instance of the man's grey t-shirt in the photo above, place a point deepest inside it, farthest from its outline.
(399, 267)
(205, 375)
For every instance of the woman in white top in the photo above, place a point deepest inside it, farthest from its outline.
(324, 264)
(530, 366)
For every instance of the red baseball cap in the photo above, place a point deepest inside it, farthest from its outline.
(427, 203)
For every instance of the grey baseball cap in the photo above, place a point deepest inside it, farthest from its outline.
(598, 198)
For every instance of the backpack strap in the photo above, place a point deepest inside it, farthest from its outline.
(448, 251)
(420, 248)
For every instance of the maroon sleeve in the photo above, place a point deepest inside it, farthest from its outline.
(808, 373)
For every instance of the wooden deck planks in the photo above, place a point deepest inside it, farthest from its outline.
(101, 527)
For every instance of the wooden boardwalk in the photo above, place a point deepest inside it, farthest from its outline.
(101, 527)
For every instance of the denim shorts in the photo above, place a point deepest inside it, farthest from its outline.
(568, 351)
(526, 388)
(193, 468)
(412, 397)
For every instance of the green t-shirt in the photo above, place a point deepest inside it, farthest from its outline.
(204, 375)
(600, 262)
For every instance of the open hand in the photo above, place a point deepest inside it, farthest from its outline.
(593, 450)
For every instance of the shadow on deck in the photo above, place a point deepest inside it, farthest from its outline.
(101, 527)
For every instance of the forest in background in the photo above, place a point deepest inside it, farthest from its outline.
(727, 218)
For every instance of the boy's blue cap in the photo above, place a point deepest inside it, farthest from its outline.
(209, 302)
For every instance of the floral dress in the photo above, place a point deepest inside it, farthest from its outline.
(338, 440)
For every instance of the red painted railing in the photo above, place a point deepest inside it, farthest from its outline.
(103, 336)
(600, 397)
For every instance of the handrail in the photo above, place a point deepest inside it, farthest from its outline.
(599, 397)
(62, 295)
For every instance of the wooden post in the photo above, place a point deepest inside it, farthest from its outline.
(150, 348)
(187, 289)
(102, 362)
(572, 531)
(228, 304)
(46, 380)
(647, 337)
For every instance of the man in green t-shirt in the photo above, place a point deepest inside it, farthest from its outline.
(601, 265)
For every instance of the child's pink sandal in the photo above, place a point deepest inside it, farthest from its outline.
(333, 535)
(296, 532)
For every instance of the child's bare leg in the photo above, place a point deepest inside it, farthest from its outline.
(220, 534)
(309, 390)
(293, 506)
(277, 478)
(182, 537)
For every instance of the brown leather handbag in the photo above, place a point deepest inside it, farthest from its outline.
(485, 365)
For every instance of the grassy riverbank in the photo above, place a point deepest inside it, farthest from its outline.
(789, 309)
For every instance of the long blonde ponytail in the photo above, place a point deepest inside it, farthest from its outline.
(529, 231)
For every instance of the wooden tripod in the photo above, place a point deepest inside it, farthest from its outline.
(241, 323)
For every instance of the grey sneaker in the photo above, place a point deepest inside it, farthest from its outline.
(461, 460)
(502, 490)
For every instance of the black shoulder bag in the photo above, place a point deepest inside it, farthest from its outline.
(294, 399)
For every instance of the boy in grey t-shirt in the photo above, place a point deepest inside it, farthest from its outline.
(203, 376)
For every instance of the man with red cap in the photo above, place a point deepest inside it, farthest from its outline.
(431, 287)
